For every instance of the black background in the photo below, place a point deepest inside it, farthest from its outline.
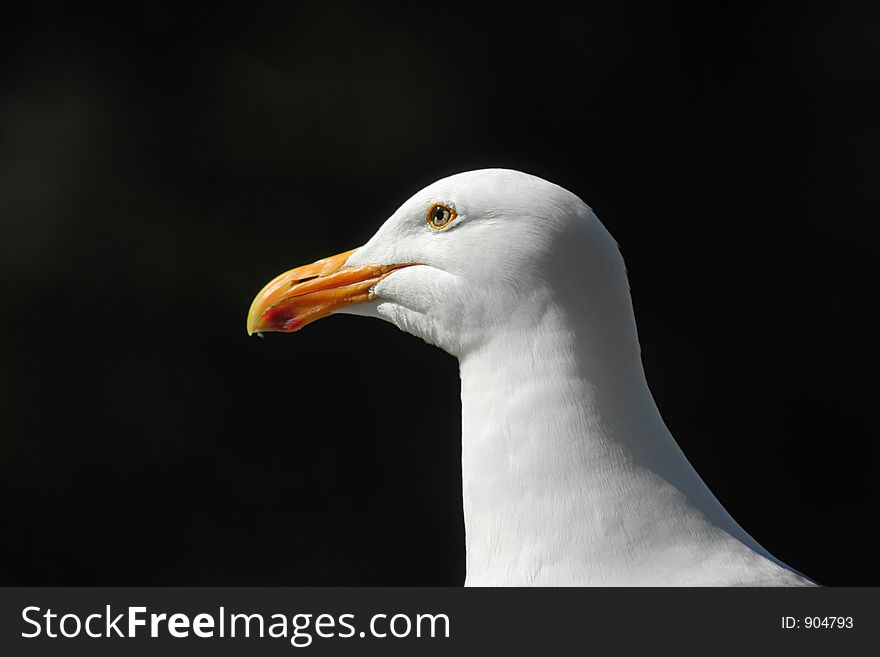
(159, 165)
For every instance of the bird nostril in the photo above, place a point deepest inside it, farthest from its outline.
(297, 281)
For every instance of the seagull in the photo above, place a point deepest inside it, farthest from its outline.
(569, 474)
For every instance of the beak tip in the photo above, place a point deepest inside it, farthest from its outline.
(252, 325)
(253, 317)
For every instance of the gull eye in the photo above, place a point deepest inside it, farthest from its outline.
(439, 216)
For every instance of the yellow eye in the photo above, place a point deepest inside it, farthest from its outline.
(439, 216)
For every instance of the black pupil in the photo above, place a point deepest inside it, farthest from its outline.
(441, 215)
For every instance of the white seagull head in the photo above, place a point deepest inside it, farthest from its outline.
(466, 259)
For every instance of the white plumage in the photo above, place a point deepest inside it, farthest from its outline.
(570, 476)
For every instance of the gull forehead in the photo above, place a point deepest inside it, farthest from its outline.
(494, 190)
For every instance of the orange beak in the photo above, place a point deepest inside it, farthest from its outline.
(305, 294)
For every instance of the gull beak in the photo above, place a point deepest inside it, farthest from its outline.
(302, 295)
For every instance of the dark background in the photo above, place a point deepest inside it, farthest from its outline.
(158, 166)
